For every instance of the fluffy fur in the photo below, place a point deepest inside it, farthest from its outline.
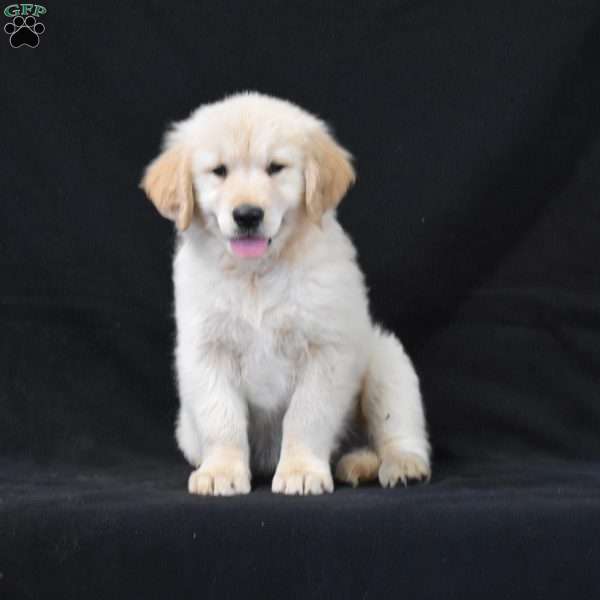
(279, 365)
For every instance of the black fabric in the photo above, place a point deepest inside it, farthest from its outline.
(477, 219)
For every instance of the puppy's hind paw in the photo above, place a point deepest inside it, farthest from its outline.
(358, 466)
(404, 467)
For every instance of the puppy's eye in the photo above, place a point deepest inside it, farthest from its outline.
(274, 167)
(220, 171)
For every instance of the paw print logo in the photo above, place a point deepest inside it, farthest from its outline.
(24, 31)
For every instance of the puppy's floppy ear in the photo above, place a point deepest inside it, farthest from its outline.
(328, 174)
(168, 183)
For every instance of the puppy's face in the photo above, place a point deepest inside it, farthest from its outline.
(249, 169)
(250, 186)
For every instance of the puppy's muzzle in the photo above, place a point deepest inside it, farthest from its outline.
(248, 217)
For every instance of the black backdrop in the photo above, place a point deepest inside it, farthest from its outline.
(477, 218)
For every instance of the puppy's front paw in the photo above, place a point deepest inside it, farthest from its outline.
(219, 481)
(301, 479)
(402, 466)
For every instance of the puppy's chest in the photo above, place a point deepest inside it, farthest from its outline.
(261, 331)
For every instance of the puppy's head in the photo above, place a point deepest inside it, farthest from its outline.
(248, 169)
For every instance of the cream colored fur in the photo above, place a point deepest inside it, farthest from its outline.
(276, 355)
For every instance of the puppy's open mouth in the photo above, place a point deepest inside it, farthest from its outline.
(249, 246)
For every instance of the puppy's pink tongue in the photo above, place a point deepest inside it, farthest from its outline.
(251, 247)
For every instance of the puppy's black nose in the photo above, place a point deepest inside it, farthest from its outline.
(248, 216)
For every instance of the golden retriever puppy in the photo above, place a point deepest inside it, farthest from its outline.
(279, 366)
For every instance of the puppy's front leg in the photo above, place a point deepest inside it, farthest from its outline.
(312, 424)
(218, 414)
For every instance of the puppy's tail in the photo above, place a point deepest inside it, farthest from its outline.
(391, 400)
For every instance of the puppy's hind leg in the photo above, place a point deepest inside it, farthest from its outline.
(392, 406)
(358, 466)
